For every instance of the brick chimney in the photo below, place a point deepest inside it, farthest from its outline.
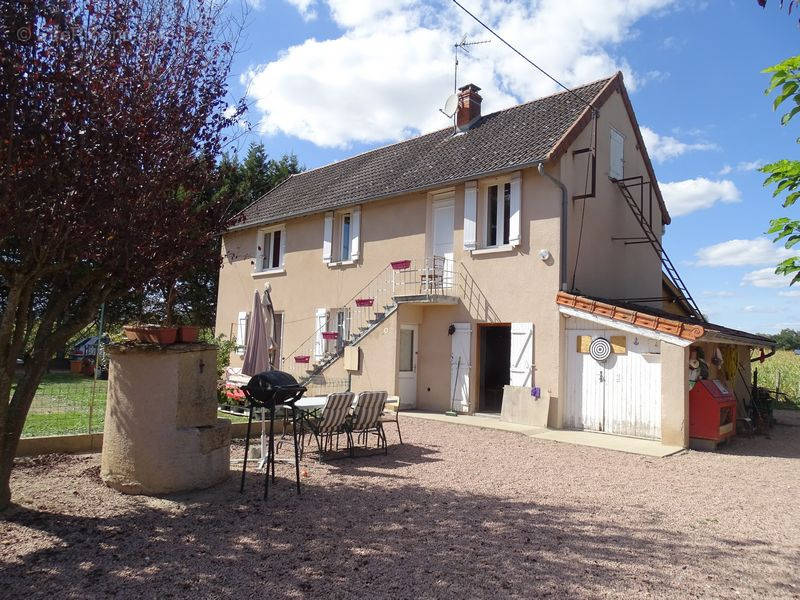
(469, 106)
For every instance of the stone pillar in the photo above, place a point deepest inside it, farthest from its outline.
(674, 395)
(161, 429)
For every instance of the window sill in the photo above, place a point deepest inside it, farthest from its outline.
(493, 249)
(268, 272)
(340, 263)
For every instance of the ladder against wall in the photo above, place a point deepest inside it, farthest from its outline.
(640, 209)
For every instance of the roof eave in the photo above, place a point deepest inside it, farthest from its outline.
(394, 194)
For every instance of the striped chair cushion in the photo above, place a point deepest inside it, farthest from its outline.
(369, 407)
(335, 412)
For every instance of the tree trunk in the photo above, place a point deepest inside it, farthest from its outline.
(15, 420)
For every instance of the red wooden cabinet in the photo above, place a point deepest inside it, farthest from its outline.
(712, 411)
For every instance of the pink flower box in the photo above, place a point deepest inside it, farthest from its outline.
(365, 301)
(302, 359)
(399, 265)
(329, 335)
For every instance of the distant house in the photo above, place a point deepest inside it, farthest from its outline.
(475, 266)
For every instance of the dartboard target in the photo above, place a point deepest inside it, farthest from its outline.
(600, 349)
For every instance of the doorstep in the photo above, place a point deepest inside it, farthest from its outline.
(605, 441)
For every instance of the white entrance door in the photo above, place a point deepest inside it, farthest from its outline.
(442, 243)
(407, 365)
(460, 366)
(620, 395)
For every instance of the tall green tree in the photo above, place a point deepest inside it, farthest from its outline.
(784, 174)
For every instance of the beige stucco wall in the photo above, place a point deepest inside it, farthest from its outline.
(607, 268)
(674, 395)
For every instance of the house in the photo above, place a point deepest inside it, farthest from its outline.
(473, 269)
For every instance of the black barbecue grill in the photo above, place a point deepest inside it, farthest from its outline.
(265, 391)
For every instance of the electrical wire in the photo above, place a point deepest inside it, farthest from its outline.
(528, 60)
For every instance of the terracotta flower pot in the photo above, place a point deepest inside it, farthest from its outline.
(162, 335)
(400, 265)
(135, 333)
(188, 333)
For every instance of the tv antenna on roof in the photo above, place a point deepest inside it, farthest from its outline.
(451, 105)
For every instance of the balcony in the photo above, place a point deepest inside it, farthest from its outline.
(430, 280)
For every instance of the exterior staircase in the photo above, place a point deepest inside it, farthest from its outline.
(429, 280)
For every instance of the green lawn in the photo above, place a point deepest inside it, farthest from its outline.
(61, 406)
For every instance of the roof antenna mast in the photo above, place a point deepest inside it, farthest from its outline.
(451, 106)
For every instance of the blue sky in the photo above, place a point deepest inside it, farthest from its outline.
(327, 79)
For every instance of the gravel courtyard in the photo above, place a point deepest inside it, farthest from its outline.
(456, 512)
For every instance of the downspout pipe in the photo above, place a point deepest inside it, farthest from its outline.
(563, 243)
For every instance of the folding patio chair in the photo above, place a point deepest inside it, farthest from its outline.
(391, 414)
(366, 419)
(331, 422)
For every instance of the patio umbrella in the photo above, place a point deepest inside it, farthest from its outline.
(257, 345)
(269, 326)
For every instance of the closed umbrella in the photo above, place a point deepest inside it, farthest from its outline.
(256, 347)
(269, 327)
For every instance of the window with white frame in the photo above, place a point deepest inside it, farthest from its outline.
(344, 226)
(271, 248)
(498, 215)
(341, 238)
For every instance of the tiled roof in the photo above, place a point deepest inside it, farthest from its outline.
(688, 328)
(500, 141)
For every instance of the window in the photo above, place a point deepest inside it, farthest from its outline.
(344, 228)
(406, 350)
(498, 214)
(270, 251)
(617, 154)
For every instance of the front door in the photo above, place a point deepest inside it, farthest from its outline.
(442, 244)
(407, 365)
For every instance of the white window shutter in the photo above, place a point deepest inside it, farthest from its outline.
(460, 351)
(259, 264)
(470, 214)
(521, 372)
(241, 332)
(516, 209)
(283, 248)
(320, 323)
(327, 237)
(355, 232)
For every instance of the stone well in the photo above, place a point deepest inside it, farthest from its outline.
(161, 431)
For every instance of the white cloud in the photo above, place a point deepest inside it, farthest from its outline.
(664, 147)
(386, 75)
(751, 165)
(737, 253)
(765, 278)
(790, 293)
(718, 293)
(689, 195)
(305, 8)
(762, 309)
(743, 166)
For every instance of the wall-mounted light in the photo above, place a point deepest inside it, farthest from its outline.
(544, 254)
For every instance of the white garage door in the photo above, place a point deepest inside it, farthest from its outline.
(620, 395)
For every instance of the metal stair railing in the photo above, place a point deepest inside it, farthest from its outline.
(651, 237)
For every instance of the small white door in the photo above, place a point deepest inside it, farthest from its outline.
(460, 366)
(407, 365)
(442, 244)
